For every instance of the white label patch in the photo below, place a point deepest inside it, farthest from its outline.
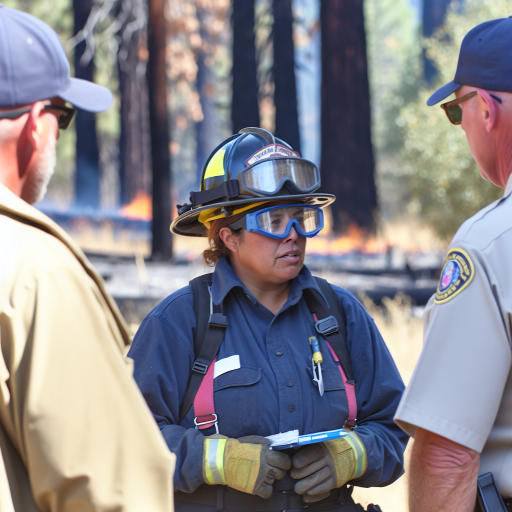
(271, 151)
(226, 365)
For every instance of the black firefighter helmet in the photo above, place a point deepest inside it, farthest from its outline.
(248, 169)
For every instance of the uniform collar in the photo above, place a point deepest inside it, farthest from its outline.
(224, 280)
(508, 187)
(14, 207)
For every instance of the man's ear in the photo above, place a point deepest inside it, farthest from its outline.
(230, 240)
(35, 125)
(489, 110)
(31, 136)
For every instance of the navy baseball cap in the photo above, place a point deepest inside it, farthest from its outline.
(485, 60)
(34, 66)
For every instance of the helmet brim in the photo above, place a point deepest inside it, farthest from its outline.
(188, 223)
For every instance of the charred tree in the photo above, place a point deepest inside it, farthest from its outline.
(134, 141)
(285, 94)
(244, 107)
(161, 249)
(208, 130)
(347, 156)
(433, 17)
(87, 176)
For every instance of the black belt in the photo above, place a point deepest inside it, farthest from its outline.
(224, 499)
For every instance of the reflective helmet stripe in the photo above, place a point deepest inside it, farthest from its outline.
(215, 165)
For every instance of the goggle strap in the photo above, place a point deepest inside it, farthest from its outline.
(229, 190)
(240, 223)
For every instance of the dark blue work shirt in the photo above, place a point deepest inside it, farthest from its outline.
(273, 390)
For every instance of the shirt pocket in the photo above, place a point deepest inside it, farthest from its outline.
(238, 401)
(331, 409)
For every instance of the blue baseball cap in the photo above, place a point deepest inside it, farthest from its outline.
(485, 60)
(34, 66)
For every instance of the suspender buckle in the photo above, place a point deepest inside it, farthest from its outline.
(200, 367)
(218, 320)
(210, 418)
(327, 326)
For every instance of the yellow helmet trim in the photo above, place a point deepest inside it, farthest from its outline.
(204, 216)
(216, 165)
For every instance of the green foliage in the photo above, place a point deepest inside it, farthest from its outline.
(443, 180)
(393, 52)
(394, 66)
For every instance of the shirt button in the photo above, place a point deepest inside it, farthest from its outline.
(279, 352)
(290, 383)
(291, 408)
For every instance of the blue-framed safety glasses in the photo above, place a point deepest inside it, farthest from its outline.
(277, 221)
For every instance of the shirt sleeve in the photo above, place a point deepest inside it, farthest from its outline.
(163, 354)
(75, 414)
(379, 388)
(458, 383)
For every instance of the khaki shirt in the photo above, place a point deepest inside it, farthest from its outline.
(461, 388)
(75, 432)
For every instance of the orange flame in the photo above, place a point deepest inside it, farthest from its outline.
(140, 208)
(355, 239)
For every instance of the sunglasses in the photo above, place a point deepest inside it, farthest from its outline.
(454, 112)
(64, 114)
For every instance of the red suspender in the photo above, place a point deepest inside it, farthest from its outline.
(350, 390)
(204, 405)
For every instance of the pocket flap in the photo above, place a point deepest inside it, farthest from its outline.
(332, 379)
(245, 376)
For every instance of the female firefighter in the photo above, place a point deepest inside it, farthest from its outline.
(262, 347)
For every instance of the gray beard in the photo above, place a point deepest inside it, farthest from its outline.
(43, 171)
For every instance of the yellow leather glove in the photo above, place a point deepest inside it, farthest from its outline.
(246, 464)
(329, 465)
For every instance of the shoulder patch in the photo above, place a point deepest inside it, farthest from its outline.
(458, 272)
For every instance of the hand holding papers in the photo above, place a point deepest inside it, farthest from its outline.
(292, 439)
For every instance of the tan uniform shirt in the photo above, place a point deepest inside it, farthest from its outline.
(461, 388)
(75, 432)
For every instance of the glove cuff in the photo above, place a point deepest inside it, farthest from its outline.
(349, 457)
(213, 461)
(361, 459)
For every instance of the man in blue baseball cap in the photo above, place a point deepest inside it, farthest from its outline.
(458, 405)
(75, 433)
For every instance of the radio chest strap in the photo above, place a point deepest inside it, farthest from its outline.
(210, 330)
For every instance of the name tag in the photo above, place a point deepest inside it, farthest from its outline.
(226, 365)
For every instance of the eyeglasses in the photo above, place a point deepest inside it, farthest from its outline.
(454, 112)
(64, 117)
(277, 221)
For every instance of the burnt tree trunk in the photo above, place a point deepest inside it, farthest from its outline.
(244, 107)
(87, 176)
(134, 142)
(347, 157)
(161, 249)
(433, 17)
(208, 131)
(285, 95)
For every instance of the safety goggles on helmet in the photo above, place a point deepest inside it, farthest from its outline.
(265, 178)
(277, 221)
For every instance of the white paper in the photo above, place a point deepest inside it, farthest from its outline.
(226, 365)
(284, 438)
